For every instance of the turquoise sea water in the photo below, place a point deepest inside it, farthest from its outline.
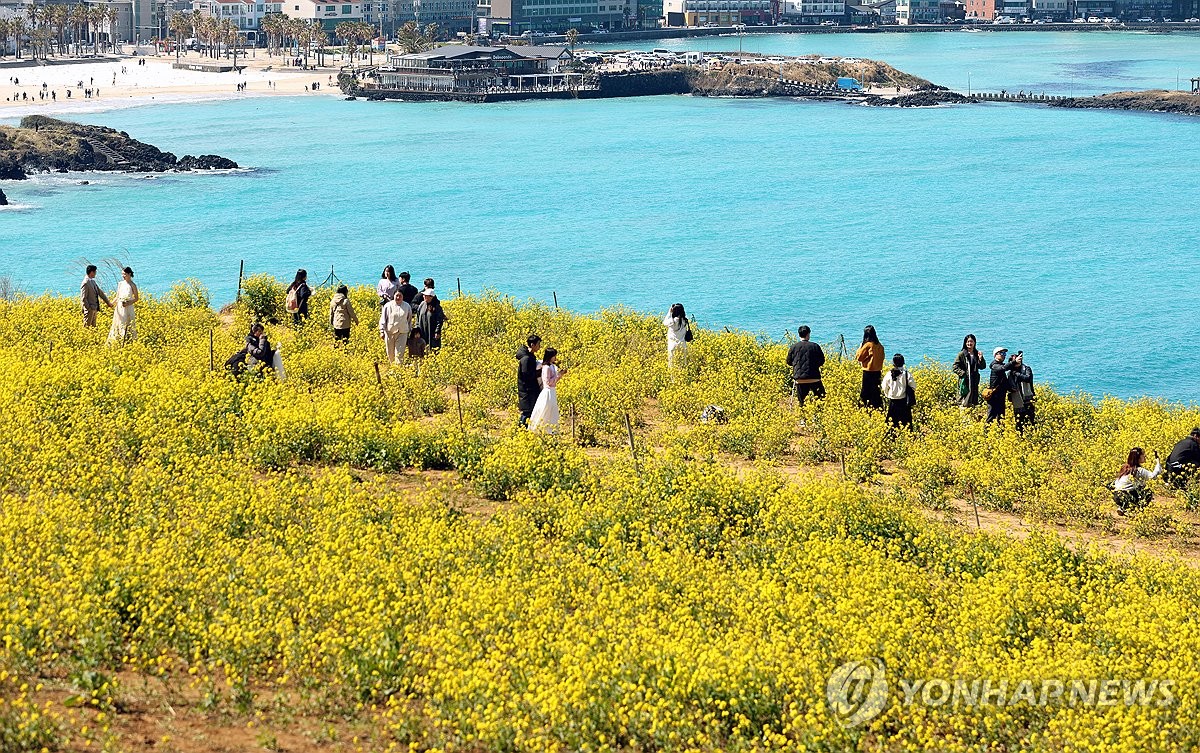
(1072, 235)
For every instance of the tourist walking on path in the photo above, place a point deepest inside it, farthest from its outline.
(341, 314)
(679, 334)
(416, 344)
(409, 290)
(387, 286)
(806, 359)
(1129, 490)
(124, 323)
(90, 295)
(999, 384)
(901, 391)
(1023, 398)
(966, 367)
(1184, 460)
(297, 297)
(870, 355)
(528, 382)
(431, 318)
(395, 322)
(545, 411)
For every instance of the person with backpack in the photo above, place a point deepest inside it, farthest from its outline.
(966, 367)
(395, 322)
(528, 378)
(388, 283)
(900, 389)
(806, 359)
(870, 356)
(1129, 490)
(341, 314)
(298, 294)
(679, 334)
(1023, 398)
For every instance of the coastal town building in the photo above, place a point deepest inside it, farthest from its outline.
(813, 11)
(1015, 9)
(724, 12)
(1095, 8)
(451, 16)
(1050, 10)
(550, 16)
(981, 10)
(918, 12)
(329, 14)
(886, 10)
(461, 69)
(247, 14)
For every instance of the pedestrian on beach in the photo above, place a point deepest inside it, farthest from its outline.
(528, 378)
(395, 322)
(416, 344)
(1130, 491)
(966, 367)
(1023, 397)
(870, 356)
(1184, 461)
(90, 296)
(545, 414)
(297, 297)
(431, 318)
(124, 323)
(999, 384)
(679, 334)
(410, 291)
(341, 314)
(388, 283)
(901, 391)
(806, 359)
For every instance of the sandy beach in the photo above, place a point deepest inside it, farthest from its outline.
(125, 83)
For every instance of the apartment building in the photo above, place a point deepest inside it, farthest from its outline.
(813, 11)
(330, 14)
(718, 12)
(551, 16)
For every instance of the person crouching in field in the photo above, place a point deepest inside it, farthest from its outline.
(901, 391)
(341, 314)
(1129, 490)
(258, 352)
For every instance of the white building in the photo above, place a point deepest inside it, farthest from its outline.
(330, 14)
(813, 11)
(716, 12)
(918, 11)
(247, 14)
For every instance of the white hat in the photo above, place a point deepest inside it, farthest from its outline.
(428, 291)
(998, 351)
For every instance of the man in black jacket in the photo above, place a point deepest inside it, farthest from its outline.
(527, 377)
(1000, 383)
(1184, 460)
(806, 359)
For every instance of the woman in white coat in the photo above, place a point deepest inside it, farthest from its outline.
(678, 335)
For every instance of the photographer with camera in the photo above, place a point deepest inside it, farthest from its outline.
(999, 384)
(1023, 397)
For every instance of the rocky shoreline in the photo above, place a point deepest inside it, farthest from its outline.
(1154, 100)
(41, 144)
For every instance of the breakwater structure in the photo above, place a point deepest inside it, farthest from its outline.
(497, 74)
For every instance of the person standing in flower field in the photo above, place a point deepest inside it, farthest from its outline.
(870, 355)
(395, 322)
(431, 317)
(679, 334)
(298, 294)
(528, 380)
(806, 359)
(388, 283)
(901, 391)
(409, 290)
(545, 414)
(341, 314)
(1024, 399)
(90, 296)
(124, 323)
(416, 344)
(999, 384)
(966, 367)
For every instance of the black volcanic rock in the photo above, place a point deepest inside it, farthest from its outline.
(3, 199)
(205, 162)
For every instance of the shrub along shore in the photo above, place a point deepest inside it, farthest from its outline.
(240, 536)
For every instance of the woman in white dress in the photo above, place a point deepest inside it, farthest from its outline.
(545, 410)
(678, 330)
(124, 323)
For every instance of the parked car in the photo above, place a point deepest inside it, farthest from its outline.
(1192, 21)
(829, 23)
(1078, 20)
(1145, 20)
(1093, 19)
(1038, 21)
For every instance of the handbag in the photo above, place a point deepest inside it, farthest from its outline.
(910, 394)
(687, 332)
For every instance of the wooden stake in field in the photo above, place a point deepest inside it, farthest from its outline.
(212, 363)
(379, 379)
(632, 448)
(241, 273)
(553, 293)
(458, 398)
(971, 494)
(459, 281)
(573, 439)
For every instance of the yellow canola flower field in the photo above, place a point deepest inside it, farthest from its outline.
(229, 534)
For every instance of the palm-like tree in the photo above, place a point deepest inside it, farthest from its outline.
(347, 31)
(572, 36)
(316, 35)
(180, 25)
(5, 33)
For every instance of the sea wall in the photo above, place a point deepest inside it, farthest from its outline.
(1155, 100)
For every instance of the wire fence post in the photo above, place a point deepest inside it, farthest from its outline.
(379, 379)
(573, 438)
(632, 448)
(553, 293)
(212, 363)
(458, 399)
(842, 349)
(241, 274)
(974, 504)
(459, 281)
